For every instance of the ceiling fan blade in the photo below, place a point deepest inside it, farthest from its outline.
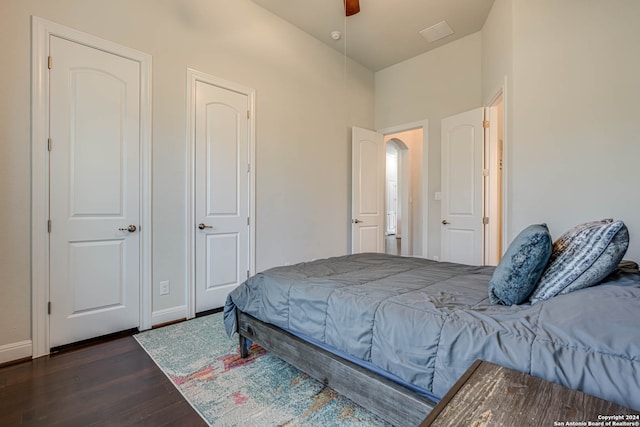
(351, 7)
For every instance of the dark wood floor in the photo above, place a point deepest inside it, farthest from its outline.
(109, 384)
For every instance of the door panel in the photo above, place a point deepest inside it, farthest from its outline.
(95, 144)
(107, 281)
(94, 192)
(222, 188)
(222, 146)
(462, 144)
(222, 251)
(368, 180)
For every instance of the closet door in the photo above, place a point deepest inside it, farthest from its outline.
(222, 171)
(94, 190)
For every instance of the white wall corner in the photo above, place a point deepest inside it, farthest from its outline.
(15, 351)
(169, 315)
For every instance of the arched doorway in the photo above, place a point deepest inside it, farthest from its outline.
(398, 218)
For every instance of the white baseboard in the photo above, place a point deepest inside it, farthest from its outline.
(168, 315)
(15, 351)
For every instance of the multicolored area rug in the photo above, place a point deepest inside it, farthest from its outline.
(261, 390)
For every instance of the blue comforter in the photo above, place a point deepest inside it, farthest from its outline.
(427, 322)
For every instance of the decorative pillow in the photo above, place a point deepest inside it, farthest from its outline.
(583, 257)
(625, 274)
(521, 266)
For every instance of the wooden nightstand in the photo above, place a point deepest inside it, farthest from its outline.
(491, 395)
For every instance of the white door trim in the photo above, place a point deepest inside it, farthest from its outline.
(424, 125)
(502, 90)
(41, 30)
(194, 76)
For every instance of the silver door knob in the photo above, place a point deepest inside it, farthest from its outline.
(356, 221)
(132, 228)
(445, 222)
(201, 226)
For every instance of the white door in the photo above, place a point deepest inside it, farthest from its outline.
(94, 192)
(462, 178)
(222, 148)
(368, 180)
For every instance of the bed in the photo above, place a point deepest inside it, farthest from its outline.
(395, 333)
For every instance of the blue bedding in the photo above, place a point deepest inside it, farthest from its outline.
(426, 322)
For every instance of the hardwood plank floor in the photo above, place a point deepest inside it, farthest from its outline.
(108, 384)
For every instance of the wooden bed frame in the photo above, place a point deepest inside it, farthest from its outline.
(388, 400)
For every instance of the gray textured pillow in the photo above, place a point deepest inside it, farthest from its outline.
(583, 257)
(521, 266)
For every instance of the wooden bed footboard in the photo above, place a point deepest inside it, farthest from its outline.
(390, 401)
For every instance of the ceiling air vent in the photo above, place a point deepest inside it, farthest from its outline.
(436, 32)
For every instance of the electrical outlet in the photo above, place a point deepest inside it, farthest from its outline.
(164, 288)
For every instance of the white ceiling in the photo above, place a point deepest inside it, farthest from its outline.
(385, 32)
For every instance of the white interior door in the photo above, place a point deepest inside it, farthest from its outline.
(222, 149)
(462, 179)
(368, 181)
(94, 192)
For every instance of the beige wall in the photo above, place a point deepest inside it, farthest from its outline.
(497, 75)
(304, 110)
(434, 85)
(575, 114)
(497, 47)
(571, 106)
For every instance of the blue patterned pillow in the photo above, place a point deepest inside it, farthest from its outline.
(521, 266)
(583, 257)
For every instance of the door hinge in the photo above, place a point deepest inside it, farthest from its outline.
(248, 221)
(49, 144)
(248, 274)
(485, 220)
(485, 172)
(248, 114)
(485, 124)
(249, 168)
(49, 225)
(49, 307)
(49, 62)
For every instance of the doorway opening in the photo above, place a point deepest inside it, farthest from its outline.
(393, 221)
(404, 221)
(368, 212)
(493, 181)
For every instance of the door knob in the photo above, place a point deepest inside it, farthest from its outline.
(201, 226)
(445, 222)
(130, 228)
(356, 221)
